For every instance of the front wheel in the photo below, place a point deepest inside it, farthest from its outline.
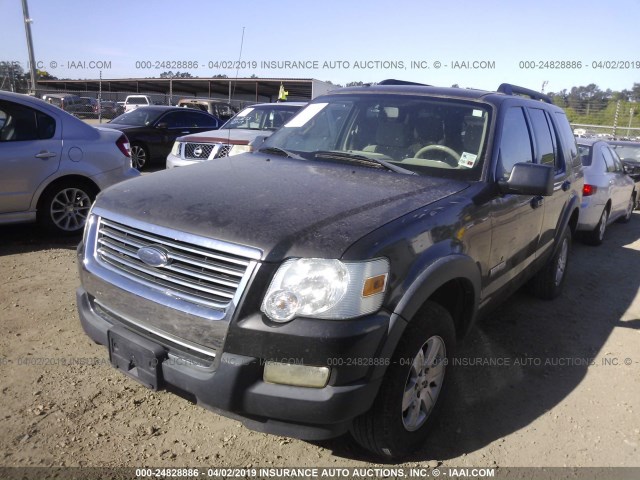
(404, 410)
(64, 207)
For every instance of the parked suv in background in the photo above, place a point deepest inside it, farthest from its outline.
(235, 136)
(320, 283)
(134, 101)
(218, 108)
(65, 101)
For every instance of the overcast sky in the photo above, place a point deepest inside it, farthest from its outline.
(478, 44)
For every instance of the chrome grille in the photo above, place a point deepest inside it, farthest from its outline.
(193, 273)
(198, 151)
(223, 151)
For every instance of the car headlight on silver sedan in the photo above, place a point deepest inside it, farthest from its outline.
(326, 288)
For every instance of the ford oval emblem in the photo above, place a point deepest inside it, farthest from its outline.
(154, 256)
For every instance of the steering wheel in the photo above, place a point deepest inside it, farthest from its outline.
(441, 148)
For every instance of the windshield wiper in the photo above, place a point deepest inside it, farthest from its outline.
(363, 160)
(279, 151)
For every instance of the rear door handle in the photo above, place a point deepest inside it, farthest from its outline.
(45, 155)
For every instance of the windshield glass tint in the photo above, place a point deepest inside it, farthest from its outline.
(138, 117)
(425, 135)
(262, 118)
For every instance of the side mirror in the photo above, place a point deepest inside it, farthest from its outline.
(529, 179)
(162, 125)
(257, 142)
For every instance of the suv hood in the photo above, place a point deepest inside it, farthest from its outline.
(285, 207)
(234, 136)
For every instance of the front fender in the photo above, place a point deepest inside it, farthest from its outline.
(422, 287)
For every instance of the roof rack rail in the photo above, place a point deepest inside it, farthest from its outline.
(393, 81)
(509, 89)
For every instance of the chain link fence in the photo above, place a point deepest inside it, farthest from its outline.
(106, 105)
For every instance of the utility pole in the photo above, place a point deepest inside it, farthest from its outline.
(32, 60)
(631, 112)
(615, 118)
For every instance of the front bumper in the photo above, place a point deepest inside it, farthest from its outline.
(231, 383)
(174, 161)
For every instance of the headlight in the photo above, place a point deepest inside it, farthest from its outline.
(330, 289)
(237, 149)
(176, 149)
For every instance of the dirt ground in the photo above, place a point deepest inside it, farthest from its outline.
(538, 383)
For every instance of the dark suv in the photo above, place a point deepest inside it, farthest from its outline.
(320, 283)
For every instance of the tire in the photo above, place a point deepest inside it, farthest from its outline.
(629, 212)
(64, 207)
(406, 405)
(139, 156)
(548, 283)
(596, 236)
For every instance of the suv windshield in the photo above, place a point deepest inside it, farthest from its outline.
(263, 118)
(429, 136)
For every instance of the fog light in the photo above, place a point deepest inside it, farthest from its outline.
(296, 375)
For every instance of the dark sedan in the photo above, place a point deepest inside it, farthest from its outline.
(152, 130)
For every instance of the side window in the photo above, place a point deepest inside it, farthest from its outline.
(544, 143)
(19, 123)
(195, 119)
(515, 145)
(616, 160)
(174, 119)
(608, 159)
(568, 139)
(46, 126)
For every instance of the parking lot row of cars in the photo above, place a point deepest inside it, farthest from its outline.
(174, 136)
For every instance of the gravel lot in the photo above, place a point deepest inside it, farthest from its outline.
(563, 390)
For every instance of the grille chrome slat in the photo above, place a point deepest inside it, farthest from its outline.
(168, 242)
(203, 154)
(197, 274)
(167, 277)
(188, 271)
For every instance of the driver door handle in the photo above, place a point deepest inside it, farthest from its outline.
(45, 155)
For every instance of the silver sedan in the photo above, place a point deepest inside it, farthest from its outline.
(609, 193)
(53, 165)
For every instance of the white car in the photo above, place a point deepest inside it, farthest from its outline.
(53, 165)
(608, 194)
(235, 136)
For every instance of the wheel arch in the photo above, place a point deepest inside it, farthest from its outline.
(452, 282)
(59, 180)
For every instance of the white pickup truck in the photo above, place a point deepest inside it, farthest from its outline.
(134, 101)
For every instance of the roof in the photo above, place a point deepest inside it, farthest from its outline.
(259, 89)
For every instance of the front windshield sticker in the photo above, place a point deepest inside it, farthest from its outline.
(305, 115)
(477, 113)
(467, 160)
(245, 112)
